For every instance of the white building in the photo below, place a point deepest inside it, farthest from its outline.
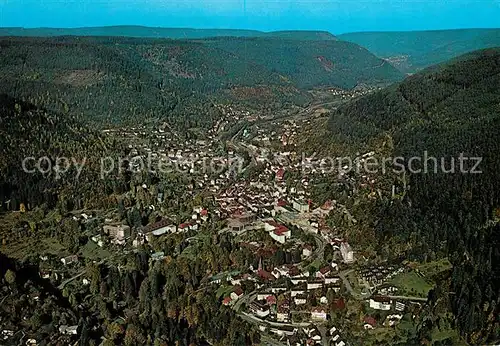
(313, 285)
(392, 320)
(380, 304)
(278, 289)
(163, 230)
(318, 314)
(296, 292)
(400, 306)
(118, 233)
(298, 280)
(236, 294)
(281, 235)
(69, 330)
(332, 280)
(306, 252)
(300, 300)
(347, 253)
(276, 273)
(282, 316)
(263, 296)
(301, 206)
(98, 240)
(259, 309)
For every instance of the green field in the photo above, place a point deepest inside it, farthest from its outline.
(447, 332)
(316, 264)
(434, 268)
(224, 291)
(94, 252)
(412, 284)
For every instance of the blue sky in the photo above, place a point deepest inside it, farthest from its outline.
(336, 16)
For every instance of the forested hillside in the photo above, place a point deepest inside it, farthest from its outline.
(29, 131)
(447, 110)
(313, 64)
(111, 80)
(137, 301)
(415, 50)
(108, 82)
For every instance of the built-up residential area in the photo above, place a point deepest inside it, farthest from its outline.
(307, 281)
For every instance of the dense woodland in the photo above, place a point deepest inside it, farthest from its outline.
(28, 131)
(112, 80)
(145, 303)
(314, 63)
(447, 110)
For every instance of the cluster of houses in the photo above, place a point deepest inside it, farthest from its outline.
(285, 134)
(273, 199)
(350, 94)
(164, 150)
(394, 310)
(276, 302)
(263, 195)
(57, 269)
(230, 116)
(118, 233)
(307, 335)
(379, 274)
(303, 292)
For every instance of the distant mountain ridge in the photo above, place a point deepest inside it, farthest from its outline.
(160, 32)
(412, 51)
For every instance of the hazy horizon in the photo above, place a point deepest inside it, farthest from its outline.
(242, 29)
(336, 17)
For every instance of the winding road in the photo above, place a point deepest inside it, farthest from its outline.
(248, 298)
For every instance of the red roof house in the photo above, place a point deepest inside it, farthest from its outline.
(370, 320)
(280, 174)
(270, 300)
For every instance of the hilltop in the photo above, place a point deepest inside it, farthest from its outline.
(414, 50)
(301, 35)
(159, 32)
